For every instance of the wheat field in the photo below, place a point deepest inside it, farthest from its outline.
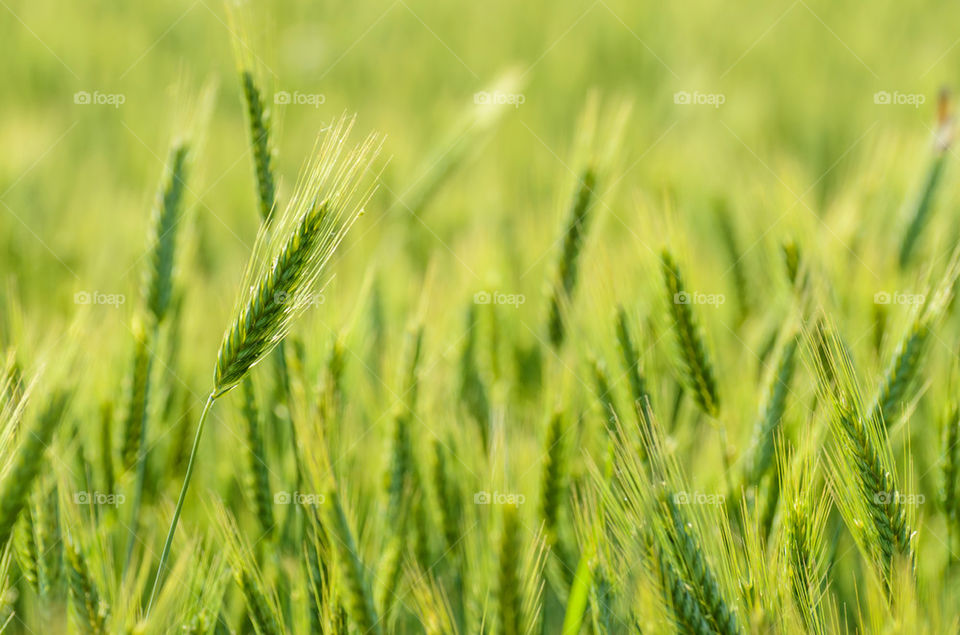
(423, 317)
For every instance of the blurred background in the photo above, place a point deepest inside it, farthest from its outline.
(779, 109)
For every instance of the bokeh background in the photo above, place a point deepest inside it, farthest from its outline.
(798, 127)
(808, 120)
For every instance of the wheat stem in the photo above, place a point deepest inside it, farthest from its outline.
(183, 495)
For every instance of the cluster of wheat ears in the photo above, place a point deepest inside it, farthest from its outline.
(823, 509)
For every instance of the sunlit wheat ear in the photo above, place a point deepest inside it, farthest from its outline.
(862, 469)
(257, 479)
(25, 464)
(508, 592)
(762, 447)
(693, 350)
(258, 120)
(805, 510)
(920, 208)
(686, 610)
(911, 352)
(281, 279)
(568, 265)
(157, 286)
(282, 274)
(553, 477)
(633, 367)
(355, 590)
(90, 610)
(260, 599)
(791, 260)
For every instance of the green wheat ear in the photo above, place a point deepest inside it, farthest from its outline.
(911, 350)
(693, 350)
(89, 608)
(260, 599)
(568, 265)
(805, 513)
(158, 283)
(632, 366)
(280, 283)
(949, 470)
(762, 452)
(355, 590)
(473, 392)
(258, 121)
(553, 477)
(27, 462)
(508, 590)
(920, 209)
(866, 489)
(289, 260)
(257, 478)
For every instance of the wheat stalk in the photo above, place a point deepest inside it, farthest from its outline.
(631, 363)
(283, 272)
(950, 469)
(568, 264)
(865, 485)
(91, 611)
(508, 590)
(900, 373)
(27, 463)
(553, 477)
(258, 477)
(762, 448)
(258, 121)
(693, 351)
(261, 601)
(473, 393)
(920, 209)
(349, 566)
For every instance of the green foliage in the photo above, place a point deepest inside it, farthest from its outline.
(526, 462)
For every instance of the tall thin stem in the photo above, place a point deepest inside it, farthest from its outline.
(183, 496)
(141, 462)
